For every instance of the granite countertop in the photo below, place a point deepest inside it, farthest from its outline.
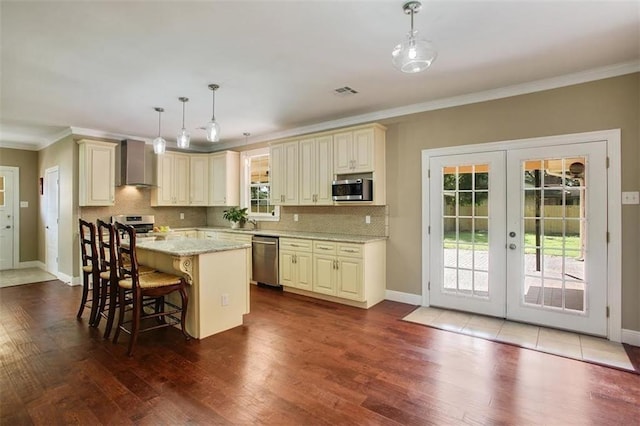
(190, 246)
(343, 238)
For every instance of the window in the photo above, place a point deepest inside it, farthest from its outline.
(256, 187)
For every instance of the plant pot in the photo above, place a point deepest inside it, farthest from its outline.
(237, 225)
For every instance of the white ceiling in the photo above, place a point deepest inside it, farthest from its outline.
(101, 67)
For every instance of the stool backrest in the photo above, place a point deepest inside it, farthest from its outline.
(127, 259)
(107, 247)
(88, 246)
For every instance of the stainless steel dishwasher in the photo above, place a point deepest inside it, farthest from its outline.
(265, 260)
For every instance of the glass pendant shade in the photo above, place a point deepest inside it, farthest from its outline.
(413, 54)
(183, 138)
(213, 131)
(213, 128)
(159, 145)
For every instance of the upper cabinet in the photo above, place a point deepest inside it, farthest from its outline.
(224, 179)
(199, 180)
(172, 180)
(316, 171)
(97, 161)
(359, 151)
(284, 173)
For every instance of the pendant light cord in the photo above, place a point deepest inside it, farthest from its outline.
(159, 115)
(183, 102)
(213, 105)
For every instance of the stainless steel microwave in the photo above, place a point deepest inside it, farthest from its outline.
(352, 190)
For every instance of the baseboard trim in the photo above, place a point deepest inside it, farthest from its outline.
(68, 279)
(631, 337)
(398, 296)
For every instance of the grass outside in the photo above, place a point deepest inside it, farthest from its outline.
(552, 243)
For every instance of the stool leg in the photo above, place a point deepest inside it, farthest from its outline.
(85, 292)
(122, 306)
(95, 300)
(135, 324)
(113, 295)
(103, 300)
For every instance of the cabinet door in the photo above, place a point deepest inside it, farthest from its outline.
(304, 268)
(97, 175)
(363, 150)
(181, 179)
(165, 179)
(308, 171)
(324, 274)
(290, 183)
(287, 275)
(218, 181)
(349, 278)
(276, 178)
(324, 170)
(199, 188)
(342, 152)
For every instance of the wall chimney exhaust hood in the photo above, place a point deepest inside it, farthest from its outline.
(133, 163)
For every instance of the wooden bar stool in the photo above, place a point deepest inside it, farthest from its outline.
(109, 274)
(90, 271)
(154, 286)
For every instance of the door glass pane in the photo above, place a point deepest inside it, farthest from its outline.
(465, 222)
(554, 237)
(2, 191)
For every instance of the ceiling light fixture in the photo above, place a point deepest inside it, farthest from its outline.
(213, 128)
(183, 137)
(413, 54)
(159, 144)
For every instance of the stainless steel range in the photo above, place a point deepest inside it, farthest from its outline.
(143, 224)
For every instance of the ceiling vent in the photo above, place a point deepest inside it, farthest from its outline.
(344, 91)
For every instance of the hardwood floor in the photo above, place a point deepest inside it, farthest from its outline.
(295, 361)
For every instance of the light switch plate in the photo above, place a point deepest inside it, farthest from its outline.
(631, 197)
(24, 204)
(367, 219)
(295, 217)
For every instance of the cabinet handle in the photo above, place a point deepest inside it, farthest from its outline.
(350, 251)
(295, 258)
(324, 248)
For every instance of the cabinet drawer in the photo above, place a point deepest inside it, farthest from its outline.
(350, 250)
(295, 244)
(324, 247)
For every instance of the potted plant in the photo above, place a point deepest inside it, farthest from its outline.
(237, 216)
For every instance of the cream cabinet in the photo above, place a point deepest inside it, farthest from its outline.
(295, 263)
(224, 179)
(316, 170)
(97, 163)
(349, 273)
(284, 173)
(172, 180)
(355, 151)
(338, 270)
(199, 180)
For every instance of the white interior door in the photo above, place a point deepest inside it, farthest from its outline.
(7, 219)
(51, 196)
(557, 236)
(521, 234)
(467, 232)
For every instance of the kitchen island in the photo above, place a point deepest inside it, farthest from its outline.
(218, 275)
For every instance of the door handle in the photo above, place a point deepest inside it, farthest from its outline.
(8, 226)
(512, 246)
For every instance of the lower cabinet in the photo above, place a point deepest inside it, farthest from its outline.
(295, 263)
(337, 270)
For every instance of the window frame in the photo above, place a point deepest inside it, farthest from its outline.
(245, 185)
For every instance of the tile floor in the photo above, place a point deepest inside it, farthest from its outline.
(11, 277)
(557, 342)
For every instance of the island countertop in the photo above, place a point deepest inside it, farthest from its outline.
(190, 247)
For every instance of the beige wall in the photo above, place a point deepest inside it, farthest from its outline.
(27, 162)
(606, 104)
(63, 154)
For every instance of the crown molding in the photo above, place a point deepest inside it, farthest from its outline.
(20, 145)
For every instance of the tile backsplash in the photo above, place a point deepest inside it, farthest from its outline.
(348, 220)
(344, 219)
(134, 200)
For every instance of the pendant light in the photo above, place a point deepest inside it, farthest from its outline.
(159, 144)
(213, 128)
(413, 54)
(183, 137)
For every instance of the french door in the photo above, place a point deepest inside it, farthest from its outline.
(521, 234)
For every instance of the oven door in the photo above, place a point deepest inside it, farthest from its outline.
(350, 190)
